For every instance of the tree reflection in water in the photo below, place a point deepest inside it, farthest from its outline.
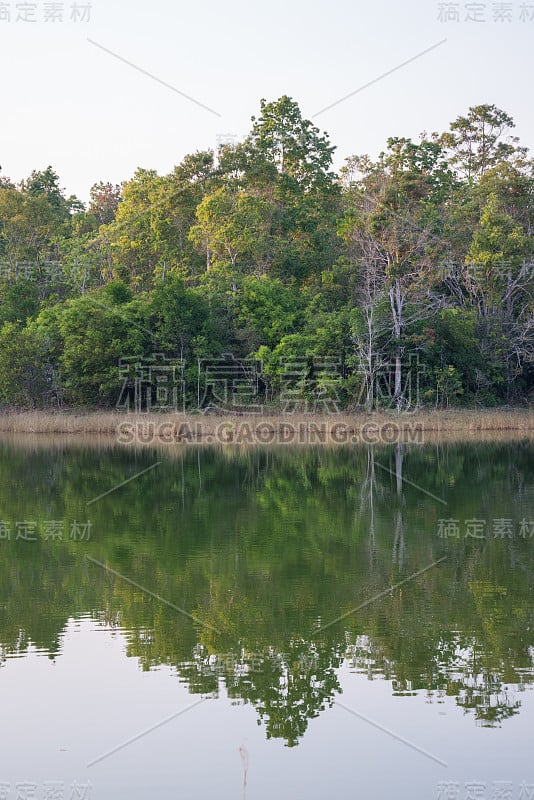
(269, 547)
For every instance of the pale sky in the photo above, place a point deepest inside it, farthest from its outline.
(68, 103)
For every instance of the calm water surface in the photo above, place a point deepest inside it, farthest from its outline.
(221, 625)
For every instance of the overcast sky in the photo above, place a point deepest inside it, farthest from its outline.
(69, 103)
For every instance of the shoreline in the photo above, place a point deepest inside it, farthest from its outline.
(222, 429)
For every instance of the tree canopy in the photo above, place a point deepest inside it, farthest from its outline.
(422, 255)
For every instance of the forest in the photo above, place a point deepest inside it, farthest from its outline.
(343, 288)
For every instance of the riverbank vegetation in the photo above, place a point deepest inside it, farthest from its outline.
(399, 282)
(335, 429)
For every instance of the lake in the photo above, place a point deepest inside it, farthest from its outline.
(267, 623)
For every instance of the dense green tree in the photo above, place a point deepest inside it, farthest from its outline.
(292, 144)
(25, 377)
(423, 256)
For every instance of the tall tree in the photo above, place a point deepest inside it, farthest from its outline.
(480, 140)
(390, 226)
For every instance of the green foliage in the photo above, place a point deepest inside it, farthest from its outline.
(290, 143)
(425, 252)
(19, 301)
(479, 140)
(24, 376)
(95, 332)
(448, 386)
(267, 311)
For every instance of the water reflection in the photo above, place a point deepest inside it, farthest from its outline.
(268, 548)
